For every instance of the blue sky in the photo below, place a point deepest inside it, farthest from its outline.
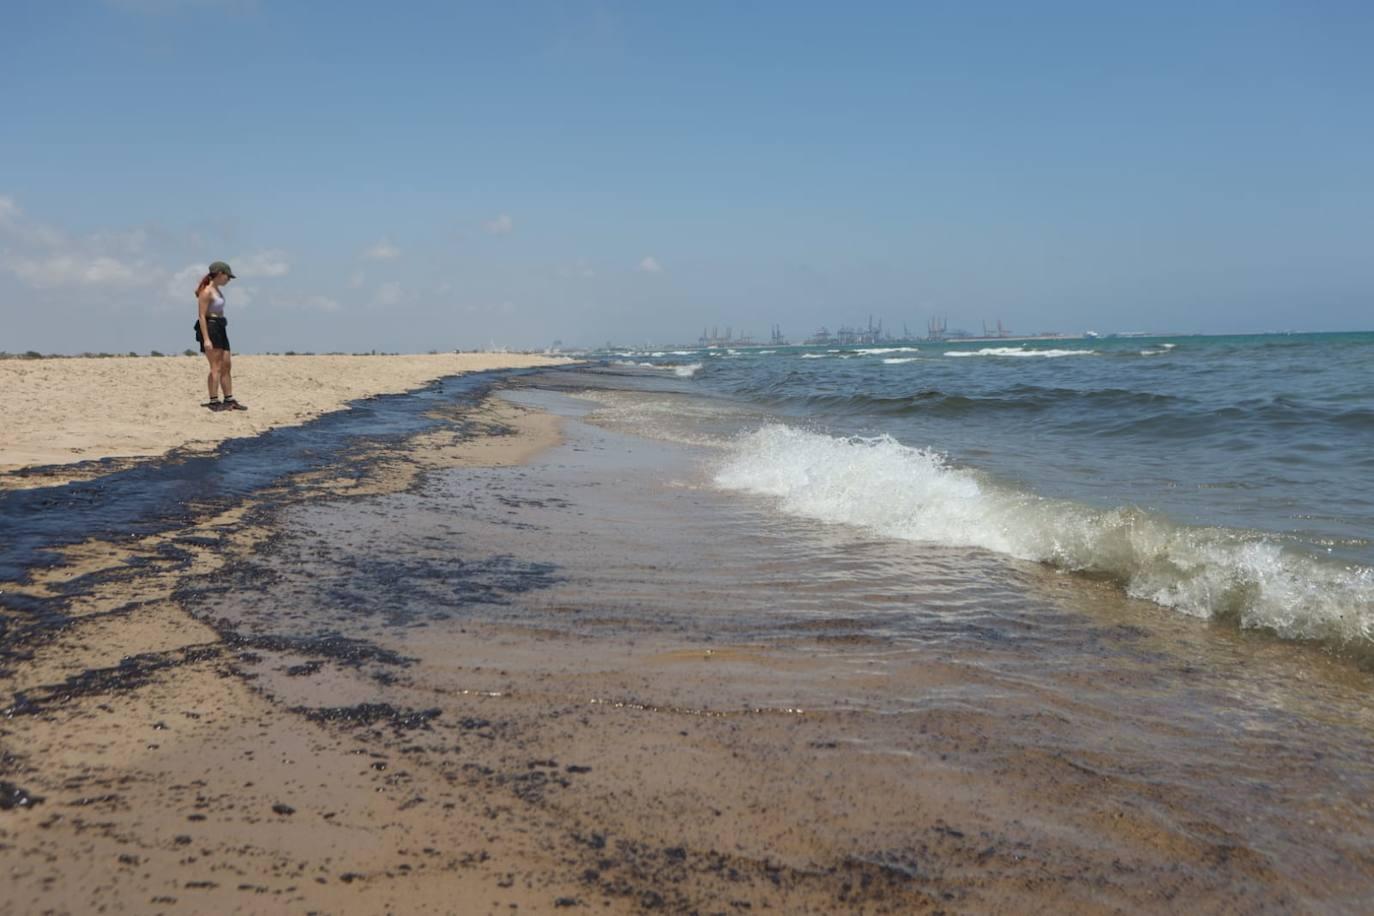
(420, 175)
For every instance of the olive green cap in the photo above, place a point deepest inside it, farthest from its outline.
(219, 267)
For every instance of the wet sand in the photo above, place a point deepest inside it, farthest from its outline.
(66, 411)
(524, 664)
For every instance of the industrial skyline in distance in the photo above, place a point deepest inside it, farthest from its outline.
(875, 333)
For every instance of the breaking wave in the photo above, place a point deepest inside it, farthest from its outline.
(681, 370)
(1237, 576)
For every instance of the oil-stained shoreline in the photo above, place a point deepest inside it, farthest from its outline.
(171, 781)
(118, 699)
(432, 679)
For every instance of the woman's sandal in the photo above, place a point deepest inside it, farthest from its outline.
(231, 404)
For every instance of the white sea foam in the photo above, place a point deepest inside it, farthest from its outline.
(1018, 351)
(914, 494)
(1152, 352)
(875, 351)
(898, 360)
(682, 371)
(815, 356)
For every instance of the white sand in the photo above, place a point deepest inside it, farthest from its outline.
(62, 411)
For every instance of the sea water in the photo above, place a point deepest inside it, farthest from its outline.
(1229, 477)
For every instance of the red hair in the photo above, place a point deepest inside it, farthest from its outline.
(204, 282)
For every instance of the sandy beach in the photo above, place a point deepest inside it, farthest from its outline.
(516, 659)
(67, 411)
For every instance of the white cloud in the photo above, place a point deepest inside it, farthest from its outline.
(356, 281)
(25, 232)
(70, 270)
(182, 284)
(127, 241)
(35, 235)
(649, 264)
(305, 303)
(502, 225)
(388, 294)
(129, 267)
(383, 251)
(243, 296)
(45, 258)
(271, 263)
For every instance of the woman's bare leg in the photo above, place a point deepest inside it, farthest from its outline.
(212, 380)
(226, 379)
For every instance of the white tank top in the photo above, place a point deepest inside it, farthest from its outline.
(216, 304)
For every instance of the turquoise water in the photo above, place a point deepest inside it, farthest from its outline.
(1227, 477)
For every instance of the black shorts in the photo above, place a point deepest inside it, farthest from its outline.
(219, 332)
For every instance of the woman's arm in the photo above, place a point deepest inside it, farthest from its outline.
(202, 310)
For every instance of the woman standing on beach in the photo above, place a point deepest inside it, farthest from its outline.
(213, 335)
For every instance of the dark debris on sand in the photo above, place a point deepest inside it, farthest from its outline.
(369, 714)
(12, 796)
(131, 673)
(343, 650)
(669, 879)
